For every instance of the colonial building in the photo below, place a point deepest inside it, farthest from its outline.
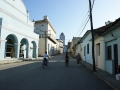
(17, 37)
(47, 37)
(75, 46)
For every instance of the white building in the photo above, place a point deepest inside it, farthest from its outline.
(112, 47)
(16, 31)
(47, 37)
(86, 47)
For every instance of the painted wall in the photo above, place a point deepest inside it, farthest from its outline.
(16, 22)
(87, 57)
(110, 40)
(99, 58)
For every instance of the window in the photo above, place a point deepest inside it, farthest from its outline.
(109, 56)
(87, 48)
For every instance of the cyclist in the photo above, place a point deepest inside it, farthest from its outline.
(67, 59)
(45, 58)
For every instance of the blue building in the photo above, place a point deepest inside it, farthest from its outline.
(17, 37)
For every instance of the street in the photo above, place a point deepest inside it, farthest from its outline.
(29, 75)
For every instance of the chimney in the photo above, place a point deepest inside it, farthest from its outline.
(46, 18)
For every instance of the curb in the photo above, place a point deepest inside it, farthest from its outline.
(102, 78)
(105, 81)
(10, 61)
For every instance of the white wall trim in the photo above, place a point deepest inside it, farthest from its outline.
(12, 16)
(14, 7)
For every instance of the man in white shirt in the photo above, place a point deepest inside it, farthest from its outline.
(45, 58)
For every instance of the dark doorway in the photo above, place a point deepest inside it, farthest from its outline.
(115, 57)
(10, 50)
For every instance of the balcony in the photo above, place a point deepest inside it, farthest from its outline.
(52, 39)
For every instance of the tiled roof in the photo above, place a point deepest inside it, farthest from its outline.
(103, 29)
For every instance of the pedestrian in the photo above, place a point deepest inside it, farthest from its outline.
(67, 59)
(78, 58)
(22, 53)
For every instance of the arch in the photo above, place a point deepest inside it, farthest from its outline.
(24, 47)
(10, 46)
(34, 49)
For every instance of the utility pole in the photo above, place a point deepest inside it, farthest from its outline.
(91, 22)
(45, 41)
(46, 36)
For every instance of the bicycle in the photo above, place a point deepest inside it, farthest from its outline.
(44, 63)
(66, 63)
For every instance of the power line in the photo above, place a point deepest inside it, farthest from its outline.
(84, 26)
(87, 18)
(84, 20)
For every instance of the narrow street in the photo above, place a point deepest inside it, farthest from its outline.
(29, 75)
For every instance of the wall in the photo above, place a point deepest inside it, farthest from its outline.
(16, 21)
(87, 57)
(100, 61)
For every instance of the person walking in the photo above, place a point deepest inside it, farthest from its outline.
(67, 59)
(78, 58)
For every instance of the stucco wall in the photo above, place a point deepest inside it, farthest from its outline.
(100, 61)
(110, 40)
(16, 22)
(87, 57)
(41, 50)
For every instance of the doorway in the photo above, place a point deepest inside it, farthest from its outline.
(115, 58)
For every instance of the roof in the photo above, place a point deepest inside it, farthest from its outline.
(87, 32)
(114, 24)
(102, 29)
(62, 34)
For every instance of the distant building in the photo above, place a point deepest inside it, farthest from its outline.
(62, 37)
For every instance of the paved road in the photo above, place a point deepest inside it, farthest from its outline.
(29, 75)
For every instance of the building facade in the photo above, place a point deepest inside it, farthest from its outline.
(47, 37)
(17, 37)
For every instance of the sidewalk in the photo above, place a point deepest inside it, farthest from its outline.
(106, 77)
(13, 60)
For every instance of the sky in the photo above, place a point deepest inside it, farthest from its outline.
(70, 16)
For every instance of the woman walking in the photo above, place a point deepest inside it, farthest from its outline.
(78, 58)
(66, 59)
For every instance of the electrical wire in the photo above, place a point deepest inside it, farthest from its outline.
(87, 18)
(84, 20)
